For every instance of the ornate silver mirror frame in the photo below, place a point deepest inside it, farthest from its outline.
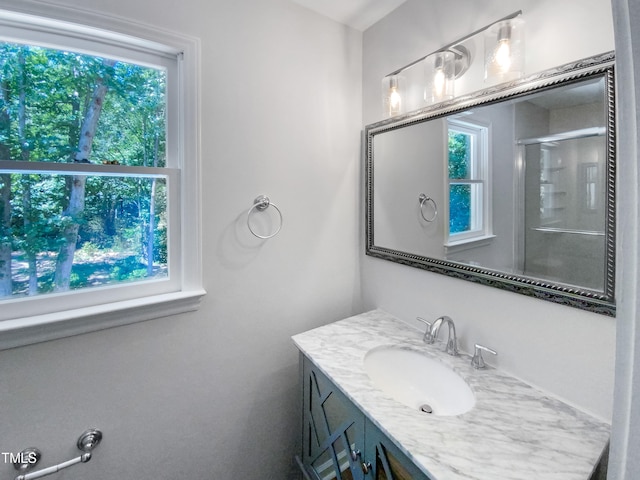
(600, 301)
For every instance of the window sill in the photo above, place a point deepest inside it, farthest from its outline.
(469, 243)
(41, 328)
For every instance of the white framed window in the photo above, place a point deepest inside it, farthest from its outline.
(469, 201)
(99, 174)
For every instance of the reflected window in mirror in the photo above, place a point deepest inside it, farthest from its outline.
(468, 178)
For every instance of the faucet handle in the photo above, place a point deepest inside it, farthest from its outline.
(428, 337)
(477, 361)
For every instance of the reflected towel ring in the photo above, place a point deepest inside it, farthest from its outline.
(424, 199)
(260, 204)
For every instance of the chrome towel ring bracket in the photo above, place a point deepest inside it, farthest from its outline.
(423, 199)
(260, 204)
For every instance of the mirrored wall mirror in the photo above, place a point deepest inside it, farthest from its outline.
(512, 187)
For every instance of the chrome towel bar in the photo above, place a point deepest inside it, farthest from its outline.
(31, 456)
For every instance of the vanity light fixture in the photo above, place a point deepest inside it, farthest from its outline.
(504, 60)
(393, 95)
(504, 50)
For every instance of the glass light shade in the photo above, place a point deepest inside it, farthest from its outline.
(504, 50)
(393, 95)
(440, 76)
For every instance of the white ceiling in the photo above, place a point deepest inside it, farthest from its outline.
(359, 14)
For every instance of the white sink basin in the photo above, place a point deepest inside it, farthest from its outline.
(418, 381)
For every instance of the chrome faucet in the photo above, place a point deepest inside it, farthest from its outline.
(433, 329)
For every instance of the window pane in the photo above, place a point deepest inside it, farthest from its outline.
(459, 155)
(465, 207)
(61, 106)
(459, 208)
(121, 233)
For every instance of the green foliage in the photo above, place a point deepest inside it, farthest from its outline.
(87, 252)
(159, 243)
(459, 208)
(44, 96)
(459, 194)
(459, 146)
(76, 280)
(128, 269)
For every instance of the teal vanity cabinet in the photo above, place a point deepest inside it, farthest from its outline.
(339, 442)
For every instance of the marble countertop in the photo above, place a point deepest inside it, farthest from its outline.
(514, 432)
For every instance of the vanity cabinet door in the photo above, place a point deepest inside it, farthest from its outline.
(386, 460)
(333, 429)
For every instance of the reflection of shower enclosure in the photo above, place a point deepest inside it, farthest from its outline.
(562, 212)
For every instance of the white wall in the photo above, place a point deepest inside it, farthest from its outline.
(214, 394)
(562, 350)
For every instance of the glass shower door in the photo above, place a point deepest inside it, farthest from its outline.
(564, 205)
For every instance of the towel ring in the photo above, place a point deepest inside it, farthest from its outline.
(424, 199)
(260, 204)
